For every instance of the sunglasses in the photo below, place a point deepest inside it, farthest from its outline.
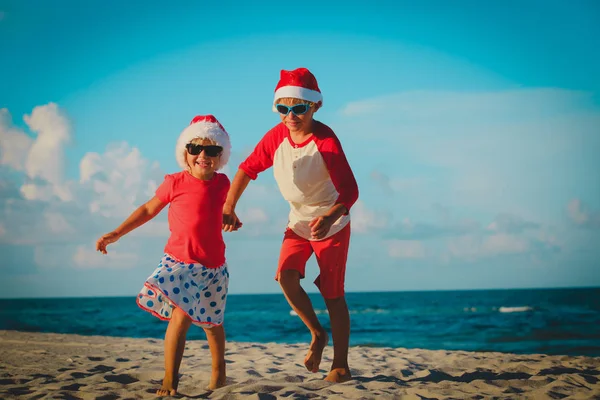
(298, 109)
(210, 150)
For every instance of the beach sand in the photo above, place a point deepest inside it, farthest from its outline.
(59, 366)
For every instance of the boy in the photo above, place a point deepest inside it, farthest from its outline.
(314, 176)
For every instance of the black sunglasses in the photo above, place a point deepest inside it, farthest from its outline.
(210, 150)
(298, 109)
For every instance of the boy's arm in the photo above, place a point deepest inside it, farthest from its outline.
(259, 160)
(230, 220)
(143, 214)
(320, 226)
(344, 182)
(341, 174)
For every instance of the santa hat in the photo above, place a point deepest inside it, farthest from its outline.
(299, 84)
(205, 127)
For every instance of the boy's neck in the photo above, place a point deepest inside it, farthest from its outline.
(301, 136)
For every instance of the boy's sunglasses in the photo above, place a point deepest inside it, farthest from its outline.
(210, 150)
(298, 109)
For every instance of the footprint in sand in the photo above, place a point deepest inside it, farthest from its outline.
(108, 397)
(95, 359)
(19, 391)
(72, 388)
(123, 378)
(80, 375)
(101, 368)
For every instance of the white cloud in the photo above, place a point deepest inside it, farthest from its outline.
(154, 228)
(365, 220)
(581, 215)
(412, 249)
(508, 223)
(474, 247)
(482, 105)
(507, 151)
(86, 258)
(119, 180)
(41, 158)
(14, 143)
(504, 244)
(47, 209)
(57, 223)
(46, 157)
(255, 215)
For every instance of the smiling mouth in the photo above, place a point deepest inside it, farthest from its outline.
(203, 164)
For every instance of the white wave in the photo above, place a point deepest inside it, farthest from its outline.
(514, 309)
(365, 311)
(317, 311)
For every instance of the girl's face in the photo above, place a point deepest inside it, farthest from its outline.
(301, 123)
(202, 165)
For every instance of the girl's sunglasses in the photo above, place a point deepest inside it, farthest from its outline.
(298, 109)
(210, 150)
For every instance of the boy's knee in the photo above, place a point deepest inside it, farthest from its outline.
(332, 302)
(289, 278)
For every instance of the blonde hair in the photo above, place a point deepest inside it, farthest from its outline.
(200, 140)
(293, 101)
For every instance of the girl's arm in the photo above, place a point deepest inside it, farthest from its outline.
(138, 218)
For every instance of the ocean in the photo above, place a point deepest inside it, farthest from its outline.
(523, 321)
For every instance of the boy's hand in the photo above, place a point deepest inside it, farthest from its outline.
(231, 222)
(106, 240)
(320, 226)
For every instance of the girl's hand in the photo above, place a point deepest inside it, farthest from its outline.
(320, 226)
(231, 222)
(106, 240)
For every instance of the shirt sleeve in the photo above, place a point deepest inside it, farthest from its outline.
(262, 156)
(340, 172)
(165, 191)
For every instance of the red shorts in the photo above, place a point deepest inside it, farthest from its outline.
(331, 254)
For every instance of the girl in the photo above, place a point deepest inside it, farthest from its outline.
(190, 284)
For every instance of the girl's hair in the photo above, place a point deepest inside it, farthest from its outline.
(199, 140)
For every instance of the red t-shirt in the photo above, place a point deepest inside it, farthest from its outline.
(195, 217)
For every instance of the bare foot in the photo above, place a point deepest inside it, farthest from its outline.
(315, 351)
(168, 388)
(217, 379)
(338, 375)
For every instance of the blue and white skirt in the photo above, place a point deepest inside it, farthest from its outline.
(198, 291)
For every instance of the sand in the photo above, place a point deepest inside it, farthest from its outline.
(59, 366)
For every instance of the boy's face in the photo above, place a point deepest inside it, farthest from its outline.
(297, 123)
(202, 166)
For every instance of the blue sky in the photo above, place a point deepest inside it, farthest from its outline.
(473, 130)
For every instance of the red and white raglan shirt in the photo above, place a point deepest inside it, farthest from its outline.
(312, 176)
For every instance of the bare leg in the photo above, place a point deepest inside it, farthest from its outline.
(340, 330)
(216, 343)
(174, 347)
(300, 302)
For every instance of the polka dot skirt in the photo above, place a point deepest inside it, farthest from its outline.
(199, 291)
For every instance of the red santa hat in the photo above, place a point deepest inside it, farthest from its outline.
(299, 84)
(205, 127)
